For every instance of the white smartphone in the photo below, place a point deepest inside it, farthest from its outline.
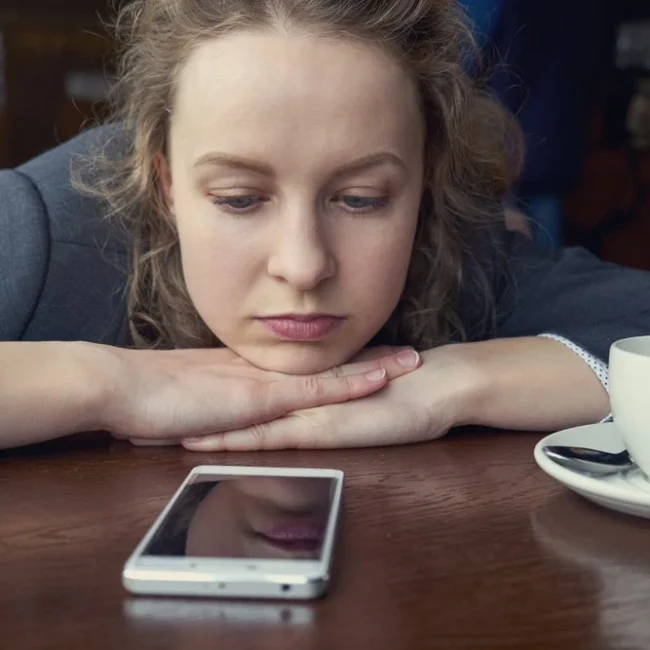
(242, 532)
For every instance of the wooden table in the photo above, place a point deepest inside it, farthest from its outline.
(462, 543)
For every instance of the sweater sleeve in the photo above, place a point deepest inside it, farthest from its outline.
(573, 295)
(24, 252)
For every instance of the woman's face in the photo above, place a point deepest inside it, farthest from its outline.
(261, 517)
(295, 178)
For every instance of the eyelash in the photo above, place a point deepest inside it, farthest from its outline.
(225, 203)
(373, 204)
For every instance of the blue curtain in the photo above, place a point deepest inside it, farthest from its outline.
(484, 15)
(546, 54)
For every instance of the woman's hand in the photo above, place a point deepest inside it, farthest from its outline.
(525, 383)
(164, 396)
(421, 405)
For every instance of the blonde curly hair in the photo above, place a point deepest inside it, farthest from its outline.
(472, 151)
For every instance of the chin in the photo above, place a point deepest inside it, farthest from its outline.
(297, 359)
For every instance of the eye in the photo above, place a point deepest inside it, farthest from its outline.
(237, 204)
(361, 204)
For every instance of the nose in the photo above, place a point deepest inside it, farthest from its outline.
(300, 253)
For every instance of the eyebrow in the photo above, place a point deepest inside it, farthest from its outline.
(246, 164)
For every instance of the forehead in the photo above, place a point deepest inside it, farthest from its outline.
(268, 89)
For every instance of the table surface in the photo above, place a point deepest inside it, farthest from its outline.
(461, 543)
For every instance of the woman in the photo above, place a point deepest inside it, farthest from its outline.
(301, 182)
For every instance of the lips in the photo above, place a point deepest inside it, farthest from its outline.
(298, 536)
(294, 327)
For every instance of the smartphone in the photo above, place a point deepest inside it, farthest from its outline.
(242, 532)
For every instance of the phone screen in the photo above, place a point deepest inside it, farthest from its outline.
(256, 517)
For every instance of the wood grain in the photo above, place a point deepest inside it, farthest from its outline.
(462, 543)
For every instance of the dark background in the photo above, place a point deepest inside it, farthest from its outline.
(56, 56)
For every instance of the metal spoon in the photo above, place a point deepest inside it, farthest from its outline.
(590, 461)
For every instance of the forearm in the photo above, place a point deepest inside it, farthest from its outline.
(530, 384)
(48, 390)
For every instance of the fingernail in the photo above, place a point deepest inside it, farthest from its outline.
(408, 359)
(376, 375)
(192, 440)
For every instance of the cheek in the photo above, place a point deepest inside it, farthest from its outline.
(218, 259)
(204, 264)
(215, 530)
(378, 268)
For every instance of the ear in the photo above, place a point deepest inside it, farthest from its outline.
(164, 178)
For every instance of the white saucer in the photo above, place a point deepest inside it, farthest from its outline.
(628, 493)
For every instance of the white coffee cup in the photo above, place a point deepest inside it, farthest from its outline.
(629, 391)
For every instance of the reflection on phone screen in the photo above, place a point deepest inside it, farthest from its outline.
(257, 517)
(163, 610)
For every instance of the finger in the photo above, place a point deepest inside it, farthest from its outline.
(362, 423)
(246, 404)
(378, 358)
(310, 429)
(395, 365)
(279, 398)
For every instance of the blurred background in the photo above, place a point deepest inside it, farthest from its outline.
(576, 73)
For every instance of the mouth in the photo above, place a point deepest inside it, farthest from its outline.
(293, 537)
(302, 327)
